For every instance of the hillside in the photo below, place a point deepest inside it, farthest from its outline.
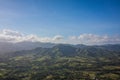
(7, 47)
(62, 62)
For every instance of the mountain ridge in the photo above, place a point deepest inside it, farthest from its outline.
(70, 50)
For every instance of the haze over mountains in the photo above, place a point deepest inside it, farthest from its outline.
(6, 47)
(11, 40)
(34, 58)
(27, 58)
(62, 50)
(60, 62)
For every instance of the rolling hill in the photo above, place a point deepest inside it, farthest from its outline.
(62, 62)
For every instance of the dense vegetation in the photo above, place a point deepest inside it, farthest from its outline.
(62, 62)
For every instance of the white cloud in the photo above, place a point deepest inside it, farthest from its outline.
(72, 37)
(57, 37)
(11, 33)
(7, 35)
(92, 39)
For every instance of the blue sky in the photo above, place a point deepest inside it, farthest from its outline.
(65, 17)
(61, 17)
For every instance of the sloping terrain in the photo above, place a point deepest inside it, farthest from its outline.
(62, 62)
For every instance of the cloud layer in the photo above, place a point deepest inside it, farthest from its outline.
(7, 35)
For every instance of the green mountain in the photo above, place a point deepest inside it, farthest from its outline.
(62, 62)
(64, 50)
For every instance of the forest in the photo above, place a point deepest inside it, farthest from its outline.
(62, 62)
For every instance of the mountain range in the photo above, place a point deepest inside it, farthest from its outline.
(67, 50)
(47, 61)
(6, 47)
